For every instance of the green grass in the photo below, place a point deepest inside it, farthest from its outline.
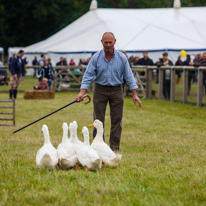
(163, 148)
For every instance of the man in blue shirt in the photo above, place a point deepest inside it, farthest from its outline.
(107, 68)
(17, 73)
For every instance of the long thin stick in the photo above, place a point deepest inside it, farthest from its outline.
(52, 113)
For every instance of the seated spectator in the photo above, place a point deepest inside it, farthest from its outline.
(131, 59)
(135, 61)
(178, 72)
(164, 61)
(43, 85)
(46, 72)
(201, 63)
(65, 61)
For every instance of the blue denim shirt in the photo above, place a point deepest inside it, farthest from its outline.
(108, 73)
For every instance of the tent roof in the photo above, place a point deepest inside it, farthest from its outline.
(135, 30)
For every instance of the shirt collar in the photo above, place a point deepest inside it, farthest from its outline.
(104, 55)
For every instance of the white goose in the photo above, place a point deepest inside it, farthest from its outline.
(66, 151)
(87, 156)
(108, 157)
(47, 156)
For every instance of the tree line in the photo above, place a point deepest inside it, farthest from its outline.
(27, 22)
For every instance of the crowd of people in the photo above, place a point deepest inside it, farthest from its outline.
(46, 72)
(199, 60)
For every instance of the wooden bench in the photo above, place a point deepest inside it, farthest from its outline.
(39, 94)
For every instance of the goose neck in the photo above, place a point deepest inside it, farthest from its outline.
(46, 138)
(65, 135)
(99, 135)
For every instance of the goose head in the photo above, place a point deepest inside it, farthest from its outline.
(100, 130)
(97, 124)
(65, 126)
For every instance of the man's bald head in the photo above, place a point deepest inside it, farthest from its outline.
(108, 33)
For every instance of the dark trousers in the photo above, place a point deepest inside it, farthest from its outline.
(166, 89)
(113, 95)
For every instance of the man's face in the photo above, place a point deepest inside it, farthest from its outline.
(108, 42)
(145, 55)
(204, 57)
(21, 54)
(165, 58)
(44, 56)
(61, 59)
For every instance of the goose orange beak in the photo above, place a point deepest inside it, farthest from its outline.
(41, 131)
(91, 125)
(81, 132)
(61, 128)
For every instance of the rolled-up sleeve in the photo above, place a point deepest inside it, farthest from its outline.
(128, 76)
(89, 75)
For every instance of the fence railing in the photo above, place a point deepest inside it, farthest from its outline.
(76, 81)
(173, 70)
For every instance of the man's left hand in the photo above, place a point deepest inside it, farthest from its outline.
(22, 78)
(136, 99)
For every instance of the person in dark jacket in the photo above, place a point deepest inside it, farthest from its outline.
(145, 60)
(46, 72)
(164, 61)
(35, 63)
(61, 63)
(190, 73)
(17, 73)
(201, 63)
(178, 72)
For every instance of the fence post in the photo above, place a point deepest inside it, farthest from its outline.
(13, 112)
(200, 88)
(160, 83)
(185, 85)
(172, 85)
(149, 83)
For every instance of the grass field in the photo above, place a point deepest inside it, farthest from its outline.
(163, 147)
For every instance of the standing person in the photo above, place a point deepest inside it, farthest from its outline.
(60, 63)
(17, 73)
(107, 68)
(35, 63)
(201, 63)
(190, 73)
(46, 72)
(164, 61)
(41, 60)
(178, 72)
(145, 60)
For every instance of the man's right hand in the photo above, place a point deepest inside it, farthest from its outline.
(15, 76)
(80, 95)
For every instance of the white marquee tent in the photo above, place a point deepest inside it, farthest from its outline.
(136, 30)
